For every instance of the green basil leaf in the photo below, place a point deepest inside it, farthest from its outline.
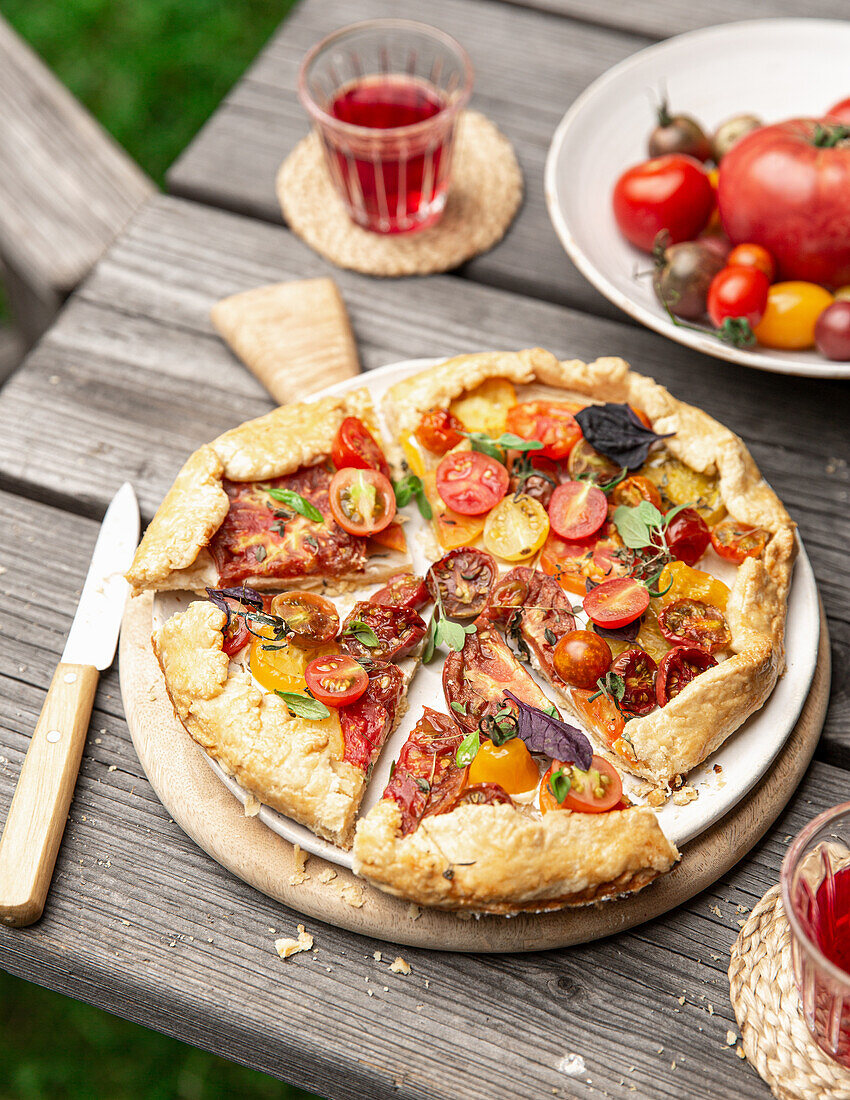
(297, 503)
(304, 706)
(451, 634)
(424, 505)
(362, 632)
(468, 748)
(517, 443)
(485, 445)
(559, 784)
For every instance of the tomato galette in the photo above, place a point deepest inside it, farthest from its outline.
(608, 575)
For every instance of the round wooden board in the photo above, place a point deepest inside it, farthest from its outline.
(204, 809)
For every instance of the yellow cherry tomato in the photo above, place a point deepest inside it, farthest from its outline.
(790, 315)
(650, 639)
(689, 583)
(679, 484)
(485, 409)
(413, 453)
(510, 765)
(283, 669)
(516, 528)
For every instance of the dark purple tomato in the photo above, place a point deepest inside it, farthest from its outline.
(832, 331)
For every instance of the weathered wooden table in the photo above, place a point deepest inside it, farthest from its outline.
(131, 378)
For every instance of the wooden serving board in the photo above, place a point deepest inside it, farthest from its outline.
(205, 810)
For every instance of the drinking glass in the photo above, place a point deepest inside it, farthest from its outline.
(816, 899)
(384, 96)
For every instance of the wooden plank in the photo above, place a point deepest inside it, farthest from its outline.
(67, 187)
(528, 69)
(140, 922)
(664, 18)
(132, 378)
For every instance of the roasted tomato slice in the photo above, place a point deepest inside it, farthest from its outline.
(534, 475)
(693, 622)
(600, 714)
(638, 671)
(439, 430)
(552, 423)
(312, 620)
(594, 791)
(677, 668)
(587, 463)
(577, 510)
(426, 777)
(635, 489)
(535, 612)
(402, 590)
(392, 537)
(516, 528)
(238, 601)
(687, 536)
(510, 765)
(471, 483)
(362, 501)
(461, 581)
(508, 594)
(581, 658)
(737, 541)
(617, 602)
(355, 446)
(366, 722)
(397, 629)
(567, 561)
(336, 680)
(481, 794)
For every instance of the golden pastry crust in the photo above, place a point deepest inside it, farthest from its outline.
(496, 859)
(173, 555)
(293, 765)
(674, 739)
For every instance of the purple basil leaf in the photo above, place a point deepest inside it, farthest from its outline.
(243, 594)
(627, 633)
(618, 432)
(550, 736)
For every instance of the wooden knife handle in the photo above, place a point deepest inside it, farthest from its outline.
(39, 809)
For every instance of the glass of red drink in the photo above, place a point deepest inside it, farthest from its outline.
(385, 97)
(816, 899)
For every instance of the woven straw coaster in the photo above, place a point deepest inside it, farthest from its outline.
(767, 1008)
(484, 195)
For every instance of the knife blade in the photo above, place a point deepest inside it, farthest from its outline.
(33, 830)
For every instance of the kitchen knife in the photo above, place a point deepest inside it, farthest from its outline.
(39, 810)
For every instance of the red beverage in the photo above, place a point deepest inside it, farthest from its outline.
(831, 918)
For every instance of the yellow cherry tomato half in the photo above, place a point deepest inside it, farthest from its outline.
(790, 315)
(510, 765)
(689, 583)
(283, 669)
(679, 484)
(516, 528)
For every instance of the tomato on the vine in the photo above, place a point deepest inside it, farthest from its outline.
(671, 193)
(336, 680)
(791, 315)
(753, 255)
(362, 500)
(677, 668)
(471, 483)
(581, 658)
(738, 292)
(617, 602)
(439, 430)
(594, 791)
(577, 510)
(551, 423)
(637, 670)
(736, 541)
(355, 446)
(687, 536)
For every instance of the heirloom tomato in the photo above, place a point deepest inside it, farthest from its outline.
(677, 668)
(671, 193)
(637, 670)
(791, 314)
(753, 255)
(311, 620)
(737, 541)
(552, 423)
(832, 331)
(439, 430)
(581, 657)
(362, 500)
(687, 536)
(577, 510)
(516, 528)
(617, 602)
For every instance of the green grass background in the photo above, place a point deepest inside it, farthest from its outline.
(152, 71)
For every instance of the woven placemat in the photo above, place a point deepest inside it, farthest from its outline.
(484, 195)
(767, 1007)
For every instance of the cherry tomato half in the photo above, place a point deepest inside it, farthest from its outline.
(694, 622)
(617, 602)
(677, 668)
(595, 791)
(336, 680)
(461, 580)
(586, 462)
(402, 590)
(551, 423)
(581, 658)
(362, 501)
(687, 536)
(672, 192)
(753, 255)
(577, 510)
(737, 541)
(397, 630)
(355, 446)
(439, 430)
(510, 765)
(637, 670)
(635, 489)
(313, 620)
(792, 312)
(236, 635)
(516, 528)
(738, 292)
(471, 483)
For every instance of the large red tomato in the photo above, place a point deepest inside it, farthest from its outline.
(787, 187)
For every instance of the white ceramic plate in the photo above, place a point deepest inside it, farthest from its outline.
(774, 68)
(744, 758)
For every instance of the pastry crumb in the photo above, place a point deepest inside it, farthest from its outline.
(413, 912)
(739, 1050)
(377, 956)
(251, 806)
(353, 895)
(710, 1009)
(681, 1000)
(328, 875)
(716, 910)
(298, 878)
(656, 797)
(287, 947)
(685, 795)
(399, 966)
(731, 1038)
(299, 857)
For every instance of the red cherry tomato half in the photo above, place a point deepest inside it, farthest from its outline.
(753, 255)
(471, 483)
(690, 622)
(677, 668)
(355, 446)
(336, 680)
(551, 423)
(577, 510)
(595, 791)
(362, 501)
(617, 602)
(687, 536)
(439, 430)
(637, 670)
(737, 541)
(671, 192)
(312, 620)
(738, 292)
(236, 635)
(402, 590)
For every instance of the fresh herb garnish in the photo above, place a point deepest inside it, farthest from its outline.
(297, 503)
(559, 785)
(496, 448)
(304, 706)
(260, 553)
(422, 784)
(442, 631)
(612, 685)
(362, 632)
(408, 488)
(544, 733)
(221, 597)
(550, 636)
(643, 529)
(500, 727)
(618, 432)
(468, 748)
(458, 708)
